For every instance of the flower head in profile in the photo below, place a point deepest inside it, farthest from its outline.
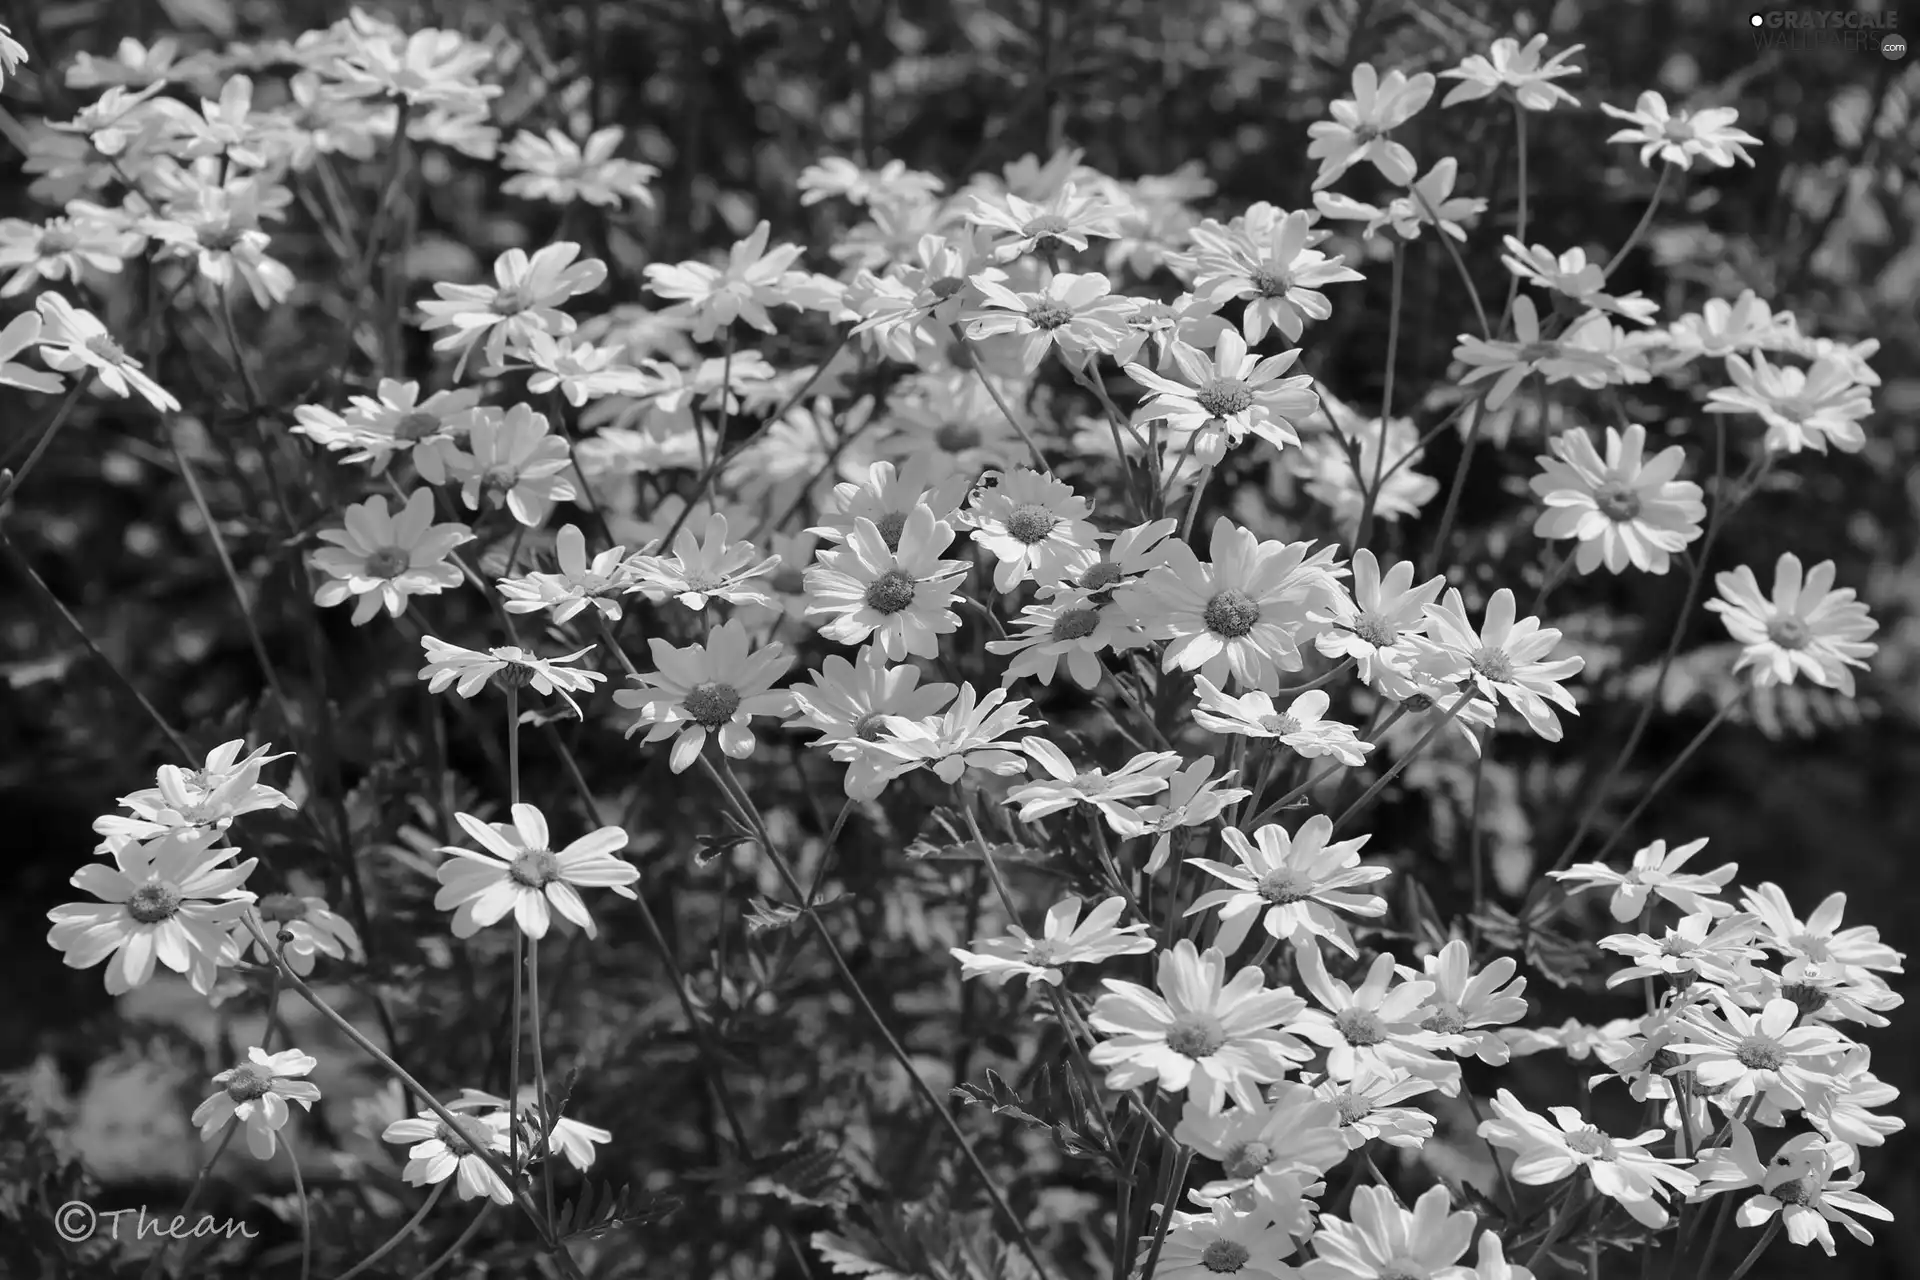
(706, 567)
(1380, 1240)
(1295, 1131)
(1297, 886)
(525, 298)
(74, 341)
(1428, 202)
(1623, 1169)
(1272, 265)
(754, 279)
(1065, 938)
(1511, 362)
(1806, 628)
(711, 688)
(1194, 798)
(1074, 628)
(378, 560)
(1504, 659)
(1515, 70)
(555, 168)
(1716, 948)
(1819, 939)
(1376, 623)
(1808, 408)
(1302, 727)
(468, 671)
(23, 331)
(1655, 871)
(1062, 223)
(1201, 1034)
(394, 419)
(226, 786)
(513, 459)
(1468, 1005)
(300, 929)
(1375, 1026)
(440, 1151)
(969, 734)
(255, 1095)
(847, 704)
(516, 870)
(1360, 125)
(1812, 1184)
(575, 583)
(168, 900)
(1621, 509)
(1681, 137)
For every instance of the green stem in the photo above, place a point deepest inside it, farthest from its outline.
(306, 1218)
(419, 1216)
(1753, 1255)
(1386, 396)
(9, 483)
(1659, 189)
(1169, 1198)
(1366, 797)
(193, 1196)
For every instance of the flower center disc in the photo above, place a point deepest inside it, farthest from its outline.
(1224, 1256)
(536, 868)
(891, 525)
(891, 592)
(1076, 624)
(282, 907)
(1359, 1027)
(247, 1083)
(1195, 1036)
(1789, 632)
(386, 562)
(1231, 613)
(1617, 502)
(1049, 315)
(1031, 523)
(1759, 1055)
(1247, 1160)
(1493, 663)
(711, 703)
(152, 903)
(1224, 397)
(417, 425)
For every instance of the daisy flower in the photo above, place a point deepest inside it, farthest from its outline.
(1274, 269)
(1368, 1108)
(1679, 138)
(167, 899)
(210, 797)
(1094, 575)
(393, 419)
(1504, 659)
(59, 249)
(558, 169)
(514, 459)
(1339, 465)
(1295, 1131)
(1073, 314)
(1296, 886)
(1465, 1004)
(1514, 70)
(1360, 125)
(448, 663)
(1703, 945)
(1803, 408)
(378, 560)
(1064, 221)
(1386, 1242)
(576, 584)
(12, 54)
(848, 702)
(428, 68)
(754, 279)
(1810, 1188)
(72, 340)
(315, 931)
(1621, 509)
(517, 871)
(23, 331)
(1848, 1117)
(1033, 525)
(703, 569)
(891, 183)
(1805, 629)
(901, 597)
(1818, 939)
(1300, 727)
(1241, 615)
(1428, 199)
(1154, 327)
(1195, 798)
(1572, 276)
(969, 734)
(888, 496)
(716, 687)
(1742, 1054)
(256, 1094)
(525, 298)
(1623, 1169)
(573, 1139)
(1374, 625)
(440, 1151)
(1064, 939)
(1144, 775)
(1225, 1241)
(1070, 630)
(1202, 1035)
(1374, 1025)
(1510, 363)
(1226, 398)
(1655, 870)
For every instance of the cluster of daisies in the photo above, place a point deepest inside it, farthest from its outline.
(970, 494)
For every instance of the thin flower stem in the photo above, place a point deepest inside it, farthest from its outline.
(1386, 397)
(986, 856)
(1070, 1024)
(513, 1047)
(1493, 1152)
(1123, 1207)
(1659, 189)
(1437, 550)
(1169, 1197)
(393, 1242)
(1116, 423)
(1459, 264)
(1753, 1255)
(1520, 227)
(729, 784)
(543, 1150)
(1571, 1210)
(490, 1157)
(193, 1196)
(10, 482)
(459, 1243)
(1366, 797)
(306, 1218)
(1193, 501)
(40, 588)
(1039, 458)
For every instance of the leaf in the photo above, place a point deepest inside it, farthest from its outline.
(707, 848)
(583, 1219)
(1562, 960)
(853, 1257)
(808, 1172)
(1075, 1139)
